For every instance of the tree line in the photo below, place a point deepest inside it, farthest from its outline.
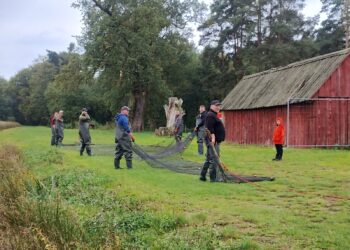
(138, 53)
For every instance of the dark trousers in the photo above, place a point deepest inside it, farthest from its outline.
(200, 141)
(53, 136)
(279, 151)
(178, 137)
(59, 139)
(210, 163)
(85, 145)
(123, 147)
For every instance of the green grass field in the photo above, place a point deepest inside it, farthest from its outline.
(306, 207)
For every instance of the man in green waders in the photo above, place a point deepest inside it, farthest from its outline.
(123, 138)
(84, 133)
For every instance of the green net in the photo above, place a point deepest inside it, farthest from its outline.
(170, 157)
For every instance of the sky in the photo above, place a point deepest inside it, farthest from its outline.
(30, 27)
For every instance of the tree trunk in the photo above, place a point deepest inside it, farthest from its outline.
(174, 105)
(138, 111)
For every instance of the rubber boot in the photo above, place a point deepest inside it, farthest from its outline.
(129, 164)
(81, 151)
(212, 174)
(117, 164)
(89, 152)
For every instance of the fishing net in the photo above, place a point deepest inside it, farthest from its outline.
(170, 157)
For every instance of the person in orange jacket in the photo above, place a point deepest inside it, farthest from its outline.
(278, 139)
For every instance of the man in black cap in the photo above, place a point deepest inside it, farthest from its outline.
(123, 138)
(216, 135)
(84, 133)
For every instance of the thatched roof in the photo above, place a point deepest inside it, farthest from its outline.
(275, 86)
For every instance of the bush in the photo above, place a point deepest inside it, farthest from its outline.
(8, 124)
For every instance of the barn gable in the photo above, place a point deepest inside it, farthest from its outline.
(275, 86)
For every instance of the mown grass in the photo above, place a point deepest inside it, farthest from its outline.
(306, 207)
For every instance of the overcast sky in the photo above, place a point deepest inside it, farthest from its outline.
(30, 27)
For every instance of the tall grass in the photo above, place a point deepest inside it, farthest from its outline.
(8, 124)
(26, 221)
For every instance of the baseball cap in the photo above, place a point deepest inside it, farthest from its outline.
(84, 110)
(215, 102)
(125, 108)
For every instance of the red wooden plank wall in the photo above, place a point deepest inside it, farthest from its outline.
(316, 123)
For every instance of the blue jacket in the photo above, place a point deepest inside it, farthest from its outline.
(122, 126)
(122, 121)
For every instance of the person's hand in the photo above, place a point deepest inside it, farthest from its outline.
(195, 129)
(132, 137)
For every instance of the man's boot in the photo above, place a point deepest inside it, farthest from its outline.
(81, 151)
(88, 151)
(129, 164)
(117, 163)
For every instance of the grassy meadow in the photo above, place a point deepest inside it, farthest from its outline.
(93, 206)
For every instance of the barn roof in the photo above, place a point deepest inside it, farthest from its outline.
(275, 86)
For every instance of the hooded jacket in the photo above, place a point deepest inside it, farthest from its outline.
(278, 133)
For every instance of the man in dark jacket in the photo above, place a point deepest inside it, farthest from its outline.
(123, 138)
(84, 133)
(200, 128)
(179, 126)
(216, 135)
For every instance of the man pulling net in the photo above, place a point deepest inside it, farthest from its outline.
(170, 159)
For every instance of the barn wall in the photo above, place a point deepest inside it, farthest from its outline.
(338, 84)
(253, 126)
(314, 123)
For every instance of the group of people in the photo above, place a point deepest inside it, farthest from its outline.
(57, 128)
(209, 130)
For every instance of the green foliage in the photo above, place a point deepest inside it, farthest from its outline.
(247, 37)
(331, 36)
(135, 47)
(5, 101)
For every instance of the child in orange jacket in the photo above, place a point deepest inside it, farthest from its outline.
(278, 139)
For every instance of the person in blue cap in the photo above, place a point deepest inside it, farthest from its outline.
(123, 138)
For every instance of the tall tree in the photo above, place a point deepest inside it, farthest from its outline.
(125, 42)
(245, 37)
(331, 36)
(72, 89)
(5, 107)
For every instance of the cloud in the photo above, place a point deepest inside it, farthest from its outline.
(28, 28)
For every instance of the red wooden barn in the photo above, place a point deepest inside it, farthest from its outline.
(312, 96)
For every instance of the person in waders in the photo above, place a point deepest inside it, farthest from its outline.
(200, 128)
(178, 127)
(123, 138)
(84, 132)
(59, 128)
(216, 135)
(53, 128)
